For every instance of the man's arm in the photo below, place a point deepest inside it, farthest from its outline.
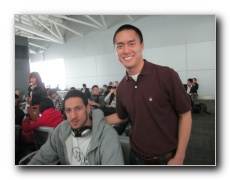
(113, 119)
(47, 154)
(184, 131)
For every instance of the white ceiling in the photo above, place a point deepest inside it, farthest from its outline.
(44, 30)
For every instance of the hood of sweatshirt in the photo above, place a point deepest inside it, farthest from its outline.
(97, 127)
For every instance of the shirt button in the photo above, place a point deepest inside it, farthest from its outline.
(135, 86)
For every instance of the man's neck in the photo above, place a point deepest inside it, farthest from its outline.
(137, 69)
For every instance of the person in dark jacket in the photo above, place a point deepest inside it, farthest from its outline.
(85, 90)
(195, 84)
(36, 89)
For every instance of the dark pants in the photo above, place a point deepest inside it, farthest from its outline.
(135, 159)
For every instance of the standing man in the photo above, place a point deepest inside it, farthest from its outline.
(82, 139)
(154, 99)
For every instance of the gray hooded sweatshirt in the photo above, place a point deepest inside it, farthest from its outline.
(105, 147)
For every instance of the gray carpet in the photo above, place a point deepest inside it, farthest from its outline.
(201, 148)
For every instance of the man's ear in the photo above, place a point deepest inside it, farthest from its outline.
(88, 108)
(142, 46)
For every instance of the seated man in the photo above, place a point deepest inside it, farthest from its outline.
(58, 103)
(49, 116)
(190, 89)
(85, 90)
(96, 101)
(82, 139)
(196, 85)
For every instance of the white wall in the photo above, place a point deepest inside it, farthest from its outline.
(185, 43)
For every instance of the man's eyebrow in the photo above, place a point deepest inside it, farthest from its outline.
(119, 43)
(78, 106)
(132, 40)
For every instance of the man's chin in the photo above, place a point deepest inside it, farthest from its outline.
(75, 127)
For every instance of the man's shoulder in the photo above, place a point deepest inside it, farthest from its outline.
(63, 129)
(64, 125)
(161, 68)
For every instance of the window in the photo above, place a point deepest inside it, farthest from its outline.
(52, 72)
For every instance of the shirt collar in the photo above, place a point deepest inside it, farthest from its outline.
(145, 70)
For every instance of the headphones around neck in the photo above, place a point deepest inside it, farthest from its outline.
(84, 131)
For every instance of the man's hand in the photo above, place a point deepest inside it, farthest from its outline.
(176, 161)
(92, 103)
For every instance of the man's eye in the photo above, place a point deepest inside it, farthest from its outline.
(119, 46)
(67, 111)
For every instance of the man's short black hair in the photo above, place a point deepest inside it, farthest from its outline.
(190, 80)
(76, 93)
(45, 103)
(95, 86)
(128, 27)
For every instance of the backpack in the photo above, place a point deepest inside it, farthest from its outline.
(200, 108)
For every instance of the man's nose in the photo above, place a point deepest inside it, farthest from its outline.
(73, 114)
(126, 49)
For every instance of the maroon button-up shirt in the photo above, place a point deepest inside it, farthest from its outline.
(153, 103)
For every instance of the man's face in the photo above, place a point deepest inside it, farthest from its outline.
(115, 84)
(129, 48)
(95, 91)
(54, 95)
(77, 113)
(189, 84)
